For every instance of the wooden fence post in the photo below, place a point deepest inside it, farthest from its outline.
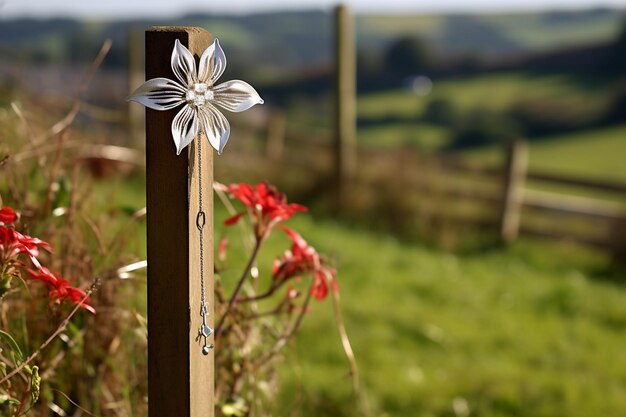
(345, 96)
(513, 190)
(180, 377)
(618, 239)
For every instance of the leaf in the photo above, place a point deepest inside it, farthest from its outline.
(35, 384)
(6, 399)
(18, 356)
(237, 408)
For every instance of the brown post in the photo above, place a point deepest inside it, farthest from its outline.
(180, 377)
(345, 105)
(513, 190)
(276, 129)
(618, 239)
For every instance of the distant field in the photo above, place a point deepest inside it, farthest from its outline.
(526, 31)
(598, 153)
(494, 92)
(545, 31)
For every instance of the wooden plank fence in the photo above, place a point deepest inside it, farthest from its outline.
(508, 198)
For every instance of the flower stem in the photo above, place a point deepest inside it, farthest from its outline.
(242, 279)
(270, 291)
(57, 332)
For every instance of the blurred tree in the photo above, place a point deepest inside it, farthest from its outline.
(441, 111)
(617, 109)
(619, 50)
(408, 55)
(483, 127)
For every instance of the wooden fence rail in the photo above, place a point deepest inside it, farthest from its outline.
(509, 198)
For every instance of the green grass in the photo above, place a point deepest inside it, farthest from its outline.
(495, 92)
(521, 332)
(392, 103)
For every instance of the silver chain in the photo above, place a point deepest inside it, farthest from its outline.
(205, 331)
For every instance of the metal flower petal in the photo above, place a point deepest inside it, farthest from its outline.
(199, 95)
(212, 64)
(184, 65)
(215, 126)
(184, 127)
(236, 96)
(159, 94)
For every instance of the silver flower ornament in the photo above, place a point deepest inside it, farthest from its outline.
(197, 91)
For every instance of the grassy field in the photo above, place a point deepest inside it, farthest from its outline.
(526, 331)
(598, 153)
(532, 330)
(523, 331)
(495, 92)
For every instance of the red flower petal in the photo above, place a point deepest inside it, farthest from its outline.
(269, 206)
(7, 215)
(232, 220)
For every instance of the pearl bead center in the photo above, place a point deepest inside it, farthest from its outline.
(199, 94)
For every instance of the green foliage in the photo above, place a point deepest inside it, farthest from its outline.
(408, 56)
(440, 111)
(35, 384)
(483, 127)
(16, 353)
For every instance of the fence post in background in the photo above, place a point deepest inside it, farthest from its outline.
(513, 190)
(276, 131)
(345, 96)
(135, 79)
(180, 377)
(618, 239)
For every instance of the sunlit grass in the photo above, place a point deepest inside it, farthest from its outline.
(513, 332)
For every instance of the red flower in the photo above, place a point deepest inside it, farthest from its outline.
(7, 238)
(7, 215)
(59, 289)
(301, 259)
(304, 259)
(12, 243)
(29, 245)
(322, 278)
(266, 205)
